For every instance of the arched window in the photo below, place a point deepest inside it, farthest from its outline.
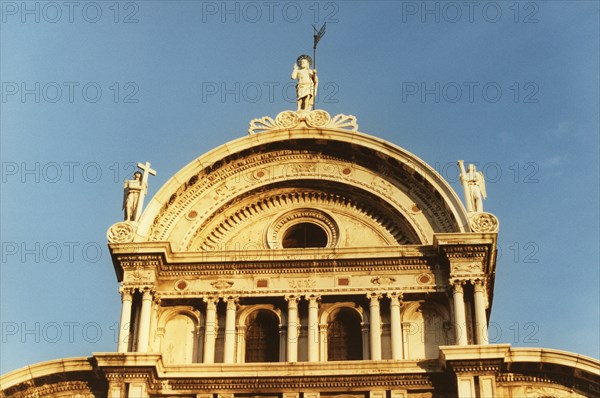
(262, 337)
(344, 336)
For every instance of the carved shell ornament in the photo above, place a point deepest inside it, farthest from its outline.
(291, 119)
(483, 222)
(121, 232)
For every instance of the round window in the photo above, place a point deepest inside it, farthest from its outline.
(304, 235)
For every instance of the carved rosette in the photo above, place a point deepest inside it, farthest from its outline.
(318, 118)
(290, 119)
(121, 232)
(483, 222)
(287, 119)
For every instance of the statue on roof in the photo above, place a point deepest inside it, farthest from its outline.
(473, 183)
(134, 192)
(306, 89)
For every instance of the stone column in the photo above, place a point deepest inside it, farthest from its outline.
(460, 320)
(292, 329)
(210, 329)
(375, 326)
(145, 313)
(229, 349)
(125, 326)
(313, 328)
(395, 325)
(480, 317)
(323, 342)
(405, 333)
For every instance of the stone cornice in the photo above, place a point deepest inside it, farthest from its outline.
(325, 292)
(159, 257)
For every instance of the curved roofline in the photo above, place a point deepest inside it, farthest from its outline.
(502, 351)
(46, 368)
(354, 138)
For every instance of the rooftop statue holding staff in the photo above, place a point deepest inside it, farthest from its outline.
(308, 82)
(306, 89)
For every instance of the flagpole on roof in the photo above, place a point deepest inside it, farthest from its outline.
(317, 36)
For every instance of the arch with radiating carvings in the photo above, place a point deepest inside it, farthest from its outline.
(220, 191)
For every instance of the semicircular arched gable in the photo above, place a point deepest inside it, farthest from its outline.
(205, 187)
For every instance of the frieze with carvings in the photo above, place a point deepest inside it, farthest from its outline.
(383, 280)
(138, 276)
(466, 268)
(302, 283)
(222, 284)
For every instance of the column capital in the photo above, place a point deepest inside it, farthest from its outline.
(231, 301)
(292, 299)
(126, 293)
(147, 292)
(211, 302)
(478, 284)
(312, 297)
(396, 297)
(406, 325)
(374, 297)
(457, 284)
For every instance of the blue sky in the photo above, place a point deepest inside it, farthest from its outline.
(90, 87)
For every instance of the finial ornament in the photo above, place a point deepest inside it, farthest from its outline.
(134, 192)
(473, 183)
(303, 119)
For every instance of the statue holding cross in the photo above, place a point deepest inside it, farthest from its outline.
(134, 192)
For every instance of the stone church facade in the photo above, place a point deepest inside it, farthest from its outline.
(307, 260)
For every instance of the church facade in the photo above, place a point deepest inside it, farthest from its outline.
(308, 260)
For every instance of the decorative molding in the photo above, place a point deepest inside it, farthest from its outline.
(290, 119)
(181, 285)
(424, 279)
(295, 266)
(324, 220)
(121, 232)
